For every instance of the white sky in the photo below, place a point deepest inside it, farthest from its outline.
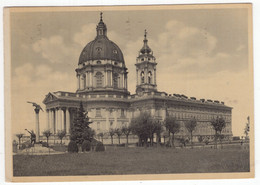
(256, 13)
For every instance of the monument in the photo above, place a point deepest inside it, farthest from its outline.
(37, 128)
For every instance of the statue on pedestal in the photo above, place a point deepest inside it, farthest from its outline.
(33, 136)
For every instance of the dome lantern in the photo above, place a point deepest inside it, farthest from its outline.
(101, 27)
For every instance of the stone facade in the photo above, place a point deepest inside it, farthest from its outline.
(102, 87)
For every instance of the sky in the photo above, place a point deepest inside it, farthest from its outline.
(200, 52)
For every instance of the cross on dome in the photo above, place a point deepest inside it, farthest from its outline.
(145, 48)
(145, 34)
(101, 13)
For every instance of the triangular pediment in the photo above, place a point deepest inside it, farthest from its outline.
(49, 97)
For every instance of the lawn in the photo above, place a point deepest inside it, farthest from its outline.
(134, 161)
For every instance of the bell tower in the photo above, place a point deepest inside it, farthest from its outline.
(145, 69)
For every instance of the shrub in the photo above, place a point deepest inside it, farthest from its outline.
(73, 147)
(121, 145)
(29, 145)
(44, 144)
(86, 146)
(23, 146)
(100, 147)
(236, 138)
(59, 148)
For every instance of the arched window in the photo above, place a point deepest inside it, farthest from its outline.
(99, 81)
(82, 81)
(150, 77)
(115, 80)
(142, 77)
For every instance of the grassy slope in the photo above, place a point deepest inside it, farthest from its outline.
(134, 161)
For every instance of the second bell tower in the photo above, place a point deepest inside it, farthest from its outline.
(145, 69)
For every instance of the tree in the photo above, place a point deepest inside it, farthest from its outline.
(173, 126)
(118, 132)
(101, 134)
(247, 128)
(47, 134)
(157, 125)
(126, 130)
(80, 125)
(19, 136)
(61, 134)
(111, 133)
(142, 126)
(218, 125)
(165, 134)
(190, 126)
(200, 139)
(154, 127)
(88, 134)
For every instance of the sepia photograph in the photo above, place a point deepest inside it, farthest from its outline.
(129, 92)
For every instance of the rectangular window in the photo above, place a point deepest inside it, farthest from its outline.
(122, 113)
(98, 126)
(98, 112)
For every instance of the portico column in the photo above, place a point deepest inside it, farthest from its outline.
(48, 119)
(52, 121)
(57, 119)
(62, 119)
(67, 114)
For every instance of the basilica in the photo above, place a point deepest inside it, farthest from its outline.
(102, 87)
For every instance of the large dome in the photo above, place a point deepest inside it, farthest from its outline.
(101, 48)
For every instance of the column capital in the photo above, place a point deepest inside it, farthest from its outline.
(37, 110)
(67, 109)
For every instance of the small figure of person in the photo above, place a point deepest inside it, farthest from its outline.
(33, 137)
